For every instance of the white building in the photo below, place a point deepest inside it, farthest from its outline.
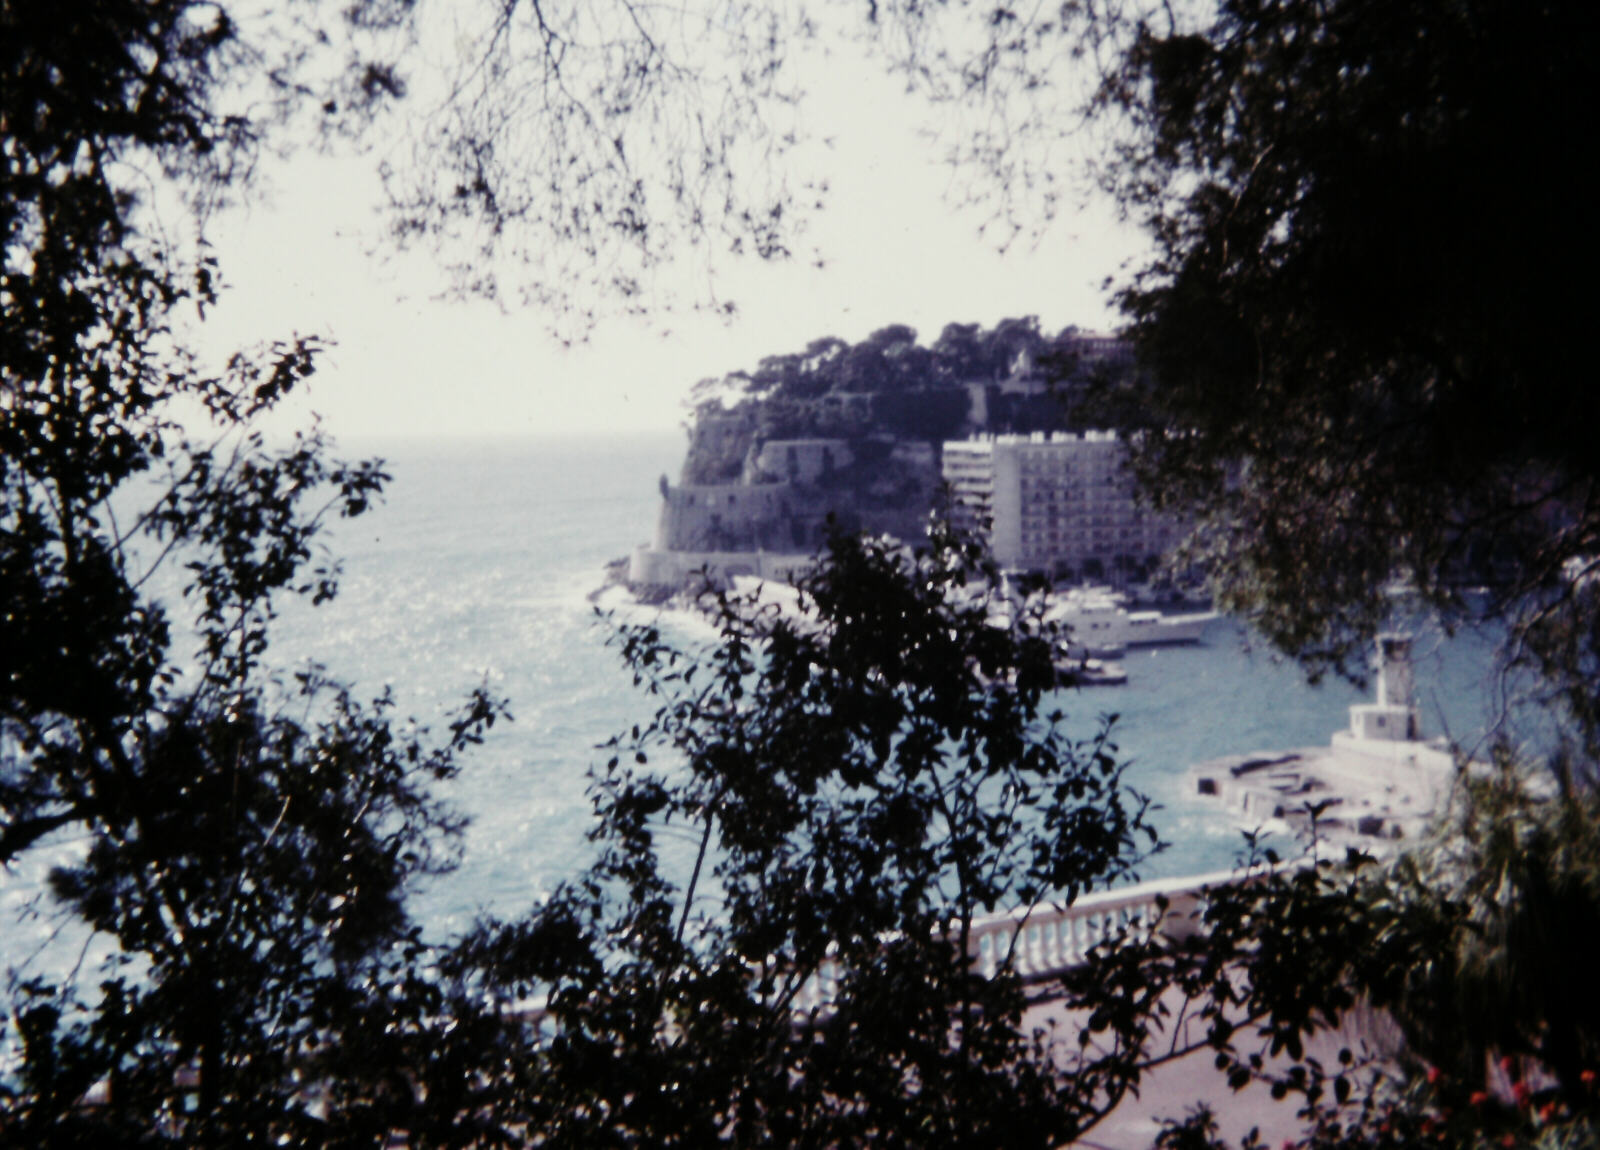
(1062, 504)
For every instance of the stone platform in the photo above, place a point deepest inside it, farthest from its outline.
(1375, 784)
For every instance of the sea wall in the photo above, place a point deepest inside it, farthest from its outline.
(651, 568)
(1376, 781)
(727, 517)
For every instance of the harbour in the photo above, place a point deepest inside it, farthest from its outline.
(479, 567)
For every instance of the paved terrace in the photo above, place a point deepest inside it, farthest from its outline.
(1050, 940)
(1175, 1088)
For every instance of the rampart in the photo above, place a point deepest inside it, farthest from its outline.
(727, 517)
(651, 567)
(797, 460)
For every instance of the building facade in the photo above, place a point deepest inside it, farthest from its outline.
(1060, 504)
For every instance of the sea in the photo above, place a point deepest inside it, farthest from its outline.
(480, 567)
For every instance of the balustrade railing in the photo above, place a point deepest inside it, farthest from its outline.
(1040, 941)
(1046, 939)
(1037, 942)
(1049, 938)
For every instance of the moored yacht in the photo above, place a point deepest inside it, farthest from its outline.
(1098, 619)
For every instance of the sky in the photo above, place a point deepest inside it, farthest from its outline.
(407, 363)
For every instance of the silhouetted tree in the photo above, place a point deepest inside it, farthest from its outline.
(843, 788)
(1356, 391)
(1357, 315)
(241, 842)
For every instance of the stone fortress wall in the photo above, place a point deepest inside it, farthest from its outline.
(879, 461)
(727, 517)
(771, 522)
(806, 461)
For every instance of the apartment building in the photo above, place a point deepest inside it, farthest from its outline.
(1061, 504)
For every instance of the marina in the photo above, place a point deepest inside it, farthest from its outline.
(1100, 621)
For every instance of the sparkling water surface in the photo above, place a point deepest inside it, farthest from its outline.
(479, 566)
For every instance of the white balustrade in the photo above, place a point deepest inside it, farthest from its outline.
(1046, 939)
(1038, 941)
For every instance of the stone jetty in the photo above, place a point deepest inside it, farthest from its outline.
(1376, 783)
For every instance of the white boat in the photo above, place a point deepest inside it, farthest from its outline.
(1098, 619)
(1095, 648)
(1090, 673)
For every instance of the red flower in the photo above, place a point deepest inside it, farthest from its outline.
(1508, 1141)
(1508, 1067)
(1587, 1078)
(1479, 1097)
(1434, 1074)
(1547, 1111)
(1521, 1093)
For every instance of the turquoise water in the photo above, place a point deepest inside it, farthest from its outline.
(478, 569)
(480, 565)
(1185, 705)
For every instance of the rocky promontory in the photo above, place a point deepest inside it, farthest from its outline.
(852, 435)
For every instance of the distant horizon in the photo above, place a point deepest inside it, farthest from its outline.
(412, 436)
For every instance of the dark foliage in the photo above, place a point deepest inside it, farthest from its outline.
(1359, 313)
(832, 794)
(234, 847)
(890, 361)
(1356, 318)
(1355, 334)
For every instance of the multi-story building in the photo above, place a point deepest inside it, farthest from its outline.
(1062, 504)
(969, 474)
(1094, 347)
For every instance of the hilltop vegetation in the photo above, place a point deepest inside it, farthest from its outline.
(1009, 378)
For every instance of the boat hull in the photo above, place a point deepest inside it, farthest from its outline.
(1107, 628)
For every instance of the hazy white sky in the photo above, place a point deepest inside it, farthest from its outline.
(408, 364)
